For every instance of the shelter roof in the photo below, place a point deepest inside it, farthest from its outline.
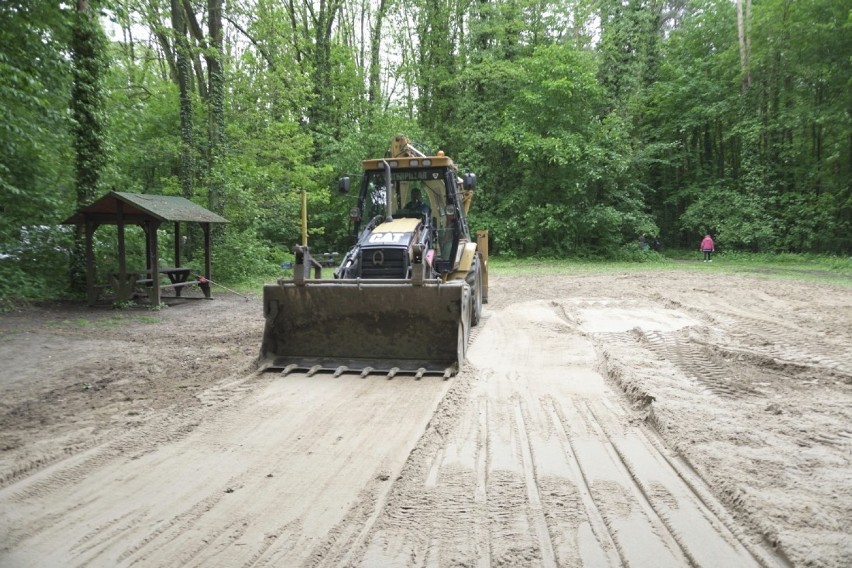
(142, 205)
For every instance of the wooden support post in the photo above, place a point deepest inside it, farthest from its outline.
(146, 226)
(207, 251)
(91, 292)
(153, 262)
(304, 200)
(123, 292)
(482, 248)
(177, 244)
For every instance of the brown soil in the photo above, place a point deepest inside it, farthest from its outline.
(668, 418)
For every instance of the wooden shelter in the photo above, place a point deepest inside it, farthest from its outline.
(150, 212)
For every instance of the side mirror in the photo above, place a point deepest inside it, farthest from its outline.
(469, 181)
(343, 185)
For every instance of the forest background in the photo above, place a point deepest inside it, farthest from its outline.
(588, 122)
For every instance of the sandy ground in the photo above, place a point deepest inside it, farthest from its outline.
(643, 419)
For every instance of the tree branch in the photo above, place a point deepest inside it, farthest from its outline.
(254, 42)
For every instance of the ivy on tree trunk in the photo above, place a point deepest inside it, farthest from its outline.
(88, 54)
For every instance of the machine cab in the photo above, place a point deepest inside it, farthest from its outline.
(390, 191)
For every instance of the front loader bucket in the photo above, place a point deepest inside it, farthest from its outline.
(372, 326)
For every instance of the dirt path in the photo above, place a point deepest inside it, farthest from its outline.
(667, 419)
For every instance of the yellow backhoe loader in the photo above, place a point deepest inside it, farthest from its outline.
(404, 297)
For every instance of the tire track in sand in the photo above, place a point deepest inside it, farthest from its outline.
(259, 479)
(540, 465)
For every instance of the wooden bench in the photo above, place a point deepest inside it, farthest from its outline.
(178, 285)
(149, 282)
(178, 279)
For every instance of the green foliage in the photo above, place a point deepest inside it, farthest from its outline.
(753, 161)
(37, 263)
(580, 146)
(142, 121)
(35, 148)
(16, 287)
(634, 252)
(735, 220)
(240, 256)
(571, 192)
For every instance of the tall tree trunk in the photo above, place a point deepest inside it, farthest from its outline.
(437, 67)
(197, 34)
(216, 113)
(375, 50)
(183, 64)
(743, 29)
(323, 26)
(183, 68)
(88, 48)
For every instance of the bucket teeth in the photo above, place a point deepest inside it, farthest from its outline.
(313, 370)
(390, 369)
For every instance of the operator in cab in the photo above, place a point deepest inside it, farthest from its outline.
(417, 204)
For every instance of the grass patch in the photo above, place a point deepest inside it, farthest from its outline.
(112, 321)
(253, 286)
(836, 270)
(545, 267)
(807, 267)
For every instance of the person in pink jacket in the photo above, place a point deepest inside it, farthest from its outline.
(707, 246)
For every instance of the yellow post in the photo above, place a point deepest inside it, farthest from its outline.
(482, 248)
(304, 217)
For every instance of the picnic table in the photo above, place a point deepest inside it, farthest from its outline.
(178, 277)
